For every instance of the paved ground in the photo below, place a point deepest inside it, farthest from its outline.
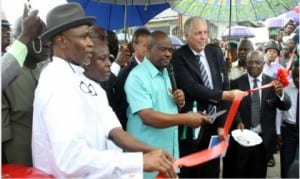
(274, 172)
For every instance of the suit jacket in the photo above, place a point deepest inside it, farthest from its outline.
(17, 111)
(269, 102)
(188, 78)
(10, 69)
(120, 97)
(109, 87)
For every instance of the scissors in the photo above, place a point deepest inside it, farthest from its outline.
(214, 116)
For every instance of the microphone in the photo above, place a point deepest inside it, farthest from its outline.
(172, 77)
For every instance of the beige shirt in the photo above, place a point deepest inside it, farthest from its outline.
(236, 72)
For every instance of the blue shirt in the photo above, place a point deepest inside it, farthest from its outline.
(147, 88)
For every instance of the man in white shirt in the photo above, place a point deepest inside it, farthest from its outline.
(287, 126)
(73, 125)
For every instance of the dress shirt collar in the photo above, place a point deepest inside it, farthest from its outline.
(75, 68)
(137, 60)
(198, 53)
(153, 70)
(259, 78)
(235, 64)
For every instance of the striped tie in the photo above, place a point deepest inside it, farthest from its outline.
(210, 109)
(203, 72)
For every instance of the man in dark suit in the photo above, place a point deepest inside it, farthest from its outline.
(251, 162)
(210, 91)
(139, 44)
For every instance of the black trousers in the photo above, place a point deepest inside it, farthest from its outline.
(251, 162)
(290, 145)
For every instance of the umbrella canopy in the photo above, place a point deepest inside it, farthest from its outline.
(239, 10)
(275, 22)
(111, 16)
(281, 20)
(237, 32)
(136, 2)
(175, 41)
(293, 15)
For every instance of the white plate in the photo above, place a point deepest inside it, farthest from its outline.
(246, 137)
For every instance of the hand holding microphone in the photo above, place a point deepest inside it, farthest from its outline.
(178, 94)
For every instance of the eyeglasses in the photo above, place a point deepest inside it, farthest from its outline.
(87, 88)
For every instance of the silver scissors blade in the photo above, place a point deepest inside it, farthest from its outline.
(217, 114)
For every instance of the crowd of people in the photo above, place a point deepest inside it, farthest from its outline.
(75, 103)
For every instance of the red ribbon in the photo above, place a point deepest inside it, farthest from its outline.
(232, 112)
(259, 88)
(289, 64)
(21, 171)
(211, 153)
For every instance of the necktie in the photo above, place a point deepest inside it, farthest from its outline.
(297, 111)
(255, 106)
(204, 77)
(203, 72)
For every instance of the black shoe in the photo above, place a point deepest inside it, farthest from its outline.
(271, 162)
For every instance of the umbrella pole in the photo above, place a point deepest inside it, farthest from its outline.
(228, 58)
(125, 22)
(230, 6)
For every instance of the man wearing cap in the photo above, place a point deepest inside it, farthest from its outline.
(73, 125)
(231, 55)
(272, 65)
(5, 35)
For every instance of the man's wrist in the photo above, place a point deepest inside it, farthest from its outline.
(24, 38)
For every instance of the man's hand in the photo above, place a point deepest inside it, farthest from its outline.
(123, 57)
(241, 126)
(197, 119)
(280, 36)
(278, 87)
(279, 141)
(179, 98)
(221, 133)
(32, 26)
(159, 160)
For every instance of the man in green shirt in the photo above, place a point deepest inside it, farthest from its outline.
(153, 113)
(12, 61)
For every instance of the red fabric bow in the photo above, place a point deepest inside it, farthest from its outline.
(282, 76)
